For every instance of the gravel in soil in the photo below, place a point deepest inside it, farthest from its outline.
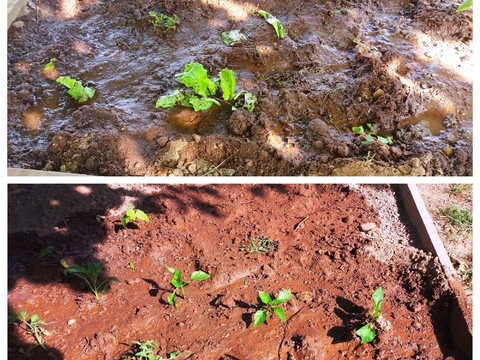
(331, 245)
(402, 66)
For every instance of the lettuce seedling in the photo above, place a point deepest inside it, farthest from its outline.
(90, 275)
(196, 77)
(467, 4)
(271, 306)
(168, 22)
(366, 332)
(33, 326)
(131, 214)
(372, 133)
(178, 283)
(76, 89)
(231, 37)
(50, 65)
(269, 18)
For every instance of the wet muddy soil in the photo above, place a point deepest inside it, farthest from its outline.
(331, 245)
(402, 66)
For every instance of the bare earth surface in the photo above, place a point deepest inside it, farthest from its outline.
(402, 66)
(457, 242)
(333, 246)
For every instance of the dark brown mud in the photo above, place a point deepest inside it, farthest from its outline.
(402, 66)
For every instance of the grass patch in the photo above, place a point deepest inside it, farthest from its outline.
(459, 216)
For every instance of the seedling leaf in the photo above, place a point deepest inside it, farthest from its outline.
(377, 297)
(199, 276)
(227, 84)
(248, 101)
(259, 317)
(171, 299)
(76, 89)
(283, 296)
(177, 279)
(170, 269)
(50, 65)
(280, 313)
(266, 299)
(231, 37)
(359, 130)
(467, 4)
(273, 21)
(202, 104)
(141, 215)
(171, 100)
(195, 76)
(366, 333)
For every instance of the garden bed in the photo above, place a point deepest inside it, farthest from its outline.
(333, 246)
(403, 67)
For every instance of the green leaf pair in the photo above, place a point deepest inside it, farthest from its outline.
(131, 214)
(272, 306)
(90, 275)
(178, 283)
(366, 332)
(359, 130)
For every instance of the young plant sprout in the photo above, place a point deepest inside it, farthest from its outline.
(76, 89)
(168, 22)
(232, 37)
(269, 18)
(370, 135)
(178, 283)
(32, 326)
(131, 215)
(90, 275)
(271, 306)
(203, 88)
(366, 332)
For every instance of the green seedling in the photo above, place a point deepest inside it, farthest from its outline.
(467, 4)
(271, 306)
(147, 348)
(50, 65)
(203, 88)
(232, 37)
(48, 250)
(131, 266)
(168, 22)
(459, 216)
(90, 275)
(371, 134)
(33, 327)
(76, 89)
(366, 332)
(263, 244)
(132, 214)
(178, 283)
(269, 18)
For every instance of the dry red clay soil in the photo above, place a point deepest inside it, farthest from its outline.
(332, 246)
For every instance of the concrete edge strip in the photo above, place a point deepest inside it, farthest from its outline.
(418, 214)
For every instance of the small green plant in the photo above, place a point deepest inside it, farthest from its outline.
(50, 65)
(90, 275)
(365, 50)
(32, 326)
(147, 348)
(466, 5)
(370, 135)
(204, 88)
(459, 215)
(277, 25)
(168, 22)
(48, 250)
(271, 306)
(232, 37)
(131, 265)
(366, 332)
(263, 244)
(178, 283)
(131, 215)
(76, 89)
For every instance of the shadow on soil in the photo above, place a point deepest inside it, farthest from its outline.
(68, 218)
